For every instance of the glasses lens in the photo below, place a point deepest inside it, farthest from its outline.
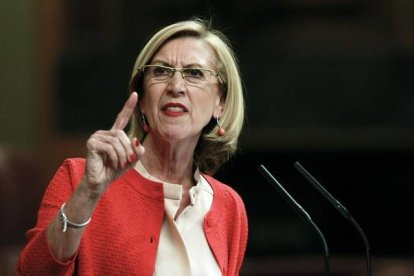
(196, 75)
(159, 73)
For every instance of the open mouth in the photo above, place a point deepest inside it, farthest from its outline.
(174, 109)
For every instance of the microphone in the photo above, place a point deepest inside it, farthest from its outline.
(299, 210)
(340, 208)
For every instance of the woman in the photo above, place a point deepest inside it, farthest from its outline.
(145, 203)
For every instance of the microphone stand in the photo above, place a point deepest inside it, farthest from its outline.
(340, 208)
(299, 210)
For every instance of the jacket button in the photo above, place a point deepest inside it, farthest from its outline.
(210, 222)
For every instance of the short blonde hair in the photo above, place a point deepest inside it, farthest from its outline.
(212, 150)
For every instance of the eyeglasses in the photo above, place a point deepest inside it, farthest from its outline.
(161, 73)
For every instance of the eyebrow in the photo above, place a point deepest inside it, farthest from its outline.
(164, 63)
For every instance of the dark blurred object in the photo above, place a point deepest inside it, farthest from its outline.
(19, 199)
(92, 88)
(374, 186)
(313, 266)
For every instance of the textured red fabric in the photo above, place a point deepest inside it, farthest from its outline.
(122, 238)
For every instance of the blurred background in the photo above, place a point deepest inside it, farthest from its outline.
(329, 83)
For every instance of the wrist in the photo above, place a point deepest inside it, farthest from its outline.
(89, 192)
(68, 223)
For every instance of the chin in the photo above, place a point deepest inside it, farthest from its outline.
(178, 133)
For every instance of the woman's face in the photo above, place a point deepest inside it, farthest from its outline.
(177, 109)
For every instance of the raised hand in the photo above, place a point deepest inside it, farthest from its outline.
(111, 152)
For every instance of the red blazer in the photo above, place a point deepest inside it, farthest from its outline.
(122, 237)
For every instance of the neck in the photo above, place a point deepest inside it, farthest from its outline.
(169, 162)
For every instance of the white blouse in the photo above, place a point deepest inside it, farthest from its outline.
(183, 248)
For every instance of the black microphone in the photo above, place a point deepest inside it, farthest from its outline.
(299, 210)
(340, 208)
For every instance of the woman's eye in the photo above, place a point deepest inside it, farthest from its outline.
(195, 73)
(157, 71)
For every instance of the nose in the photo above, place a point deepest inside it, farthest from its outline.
(176, 84)
(180, 71)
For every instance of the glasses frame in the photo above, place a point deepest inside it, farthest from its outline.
(180, 70)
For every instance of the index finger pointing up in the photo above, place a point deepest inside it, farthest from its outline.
(123, 117)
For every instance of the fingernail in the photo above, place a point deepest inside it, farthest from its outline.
(136, 142)
(133, 158)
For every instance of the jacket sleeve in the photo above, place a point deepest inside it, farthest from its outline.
(36, 257)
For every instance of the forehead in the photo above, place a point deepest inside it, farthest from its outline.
(181, 52)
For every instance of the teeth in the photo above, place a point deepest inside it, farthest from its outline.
(175, 109)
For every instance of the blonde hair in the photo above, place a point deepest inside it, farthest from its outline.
(212, 150)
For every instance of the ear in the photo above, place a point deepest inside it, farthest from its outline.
(219, 108)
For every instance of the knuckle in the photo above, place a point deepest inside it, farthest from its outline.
(118, 132)
(90, 143)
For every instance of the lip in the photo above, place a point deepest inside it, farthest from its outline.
(174, 109)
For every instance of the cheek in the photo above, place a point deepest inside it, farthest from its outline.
(149, 102)
(205, 108)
